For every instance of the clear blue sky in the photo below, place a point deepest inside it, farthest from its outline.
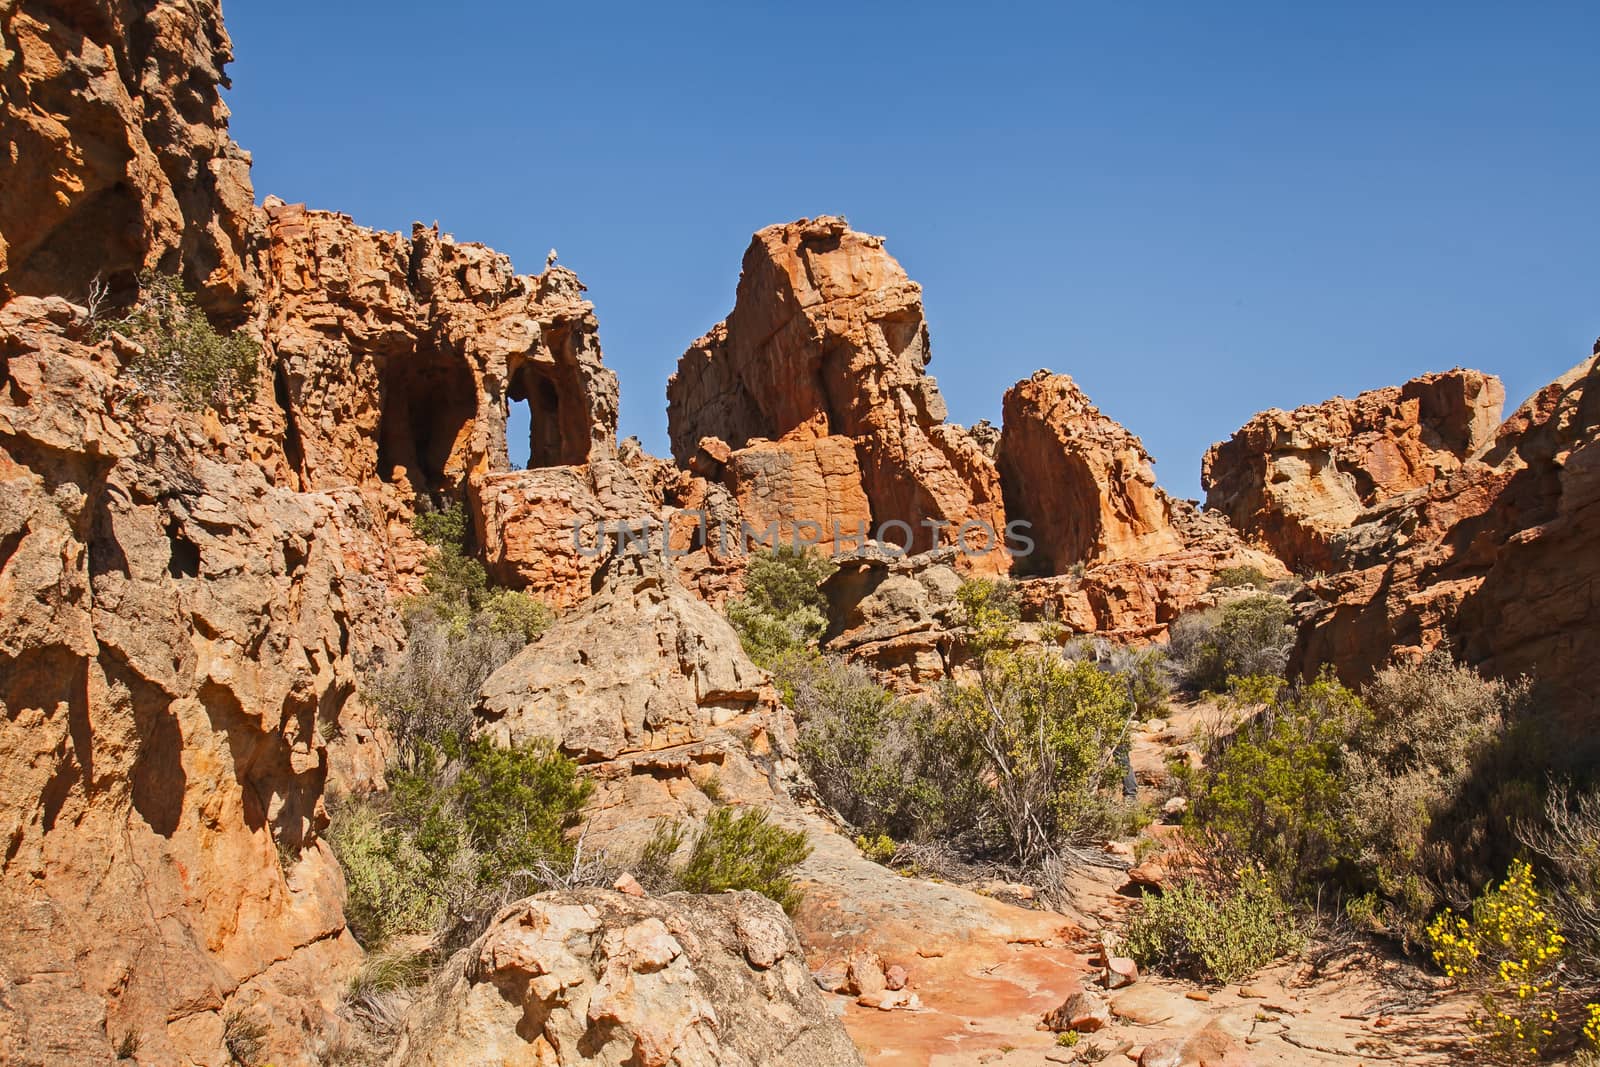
(1196, 210)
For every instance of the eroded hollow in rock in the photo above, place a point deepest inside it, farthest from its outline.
(557, 431)
(428, 404)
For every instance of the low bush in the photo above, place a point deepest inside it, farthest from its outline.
(730, 850)
(1566, 842)
(860, 744)
(1252, 636)
(184, 357)
(1272, 791)
(1405, 776)
(1222, 934)
(1239, 577)
(463, 820)
(448, 836)
(782, 610)
(1511, 952)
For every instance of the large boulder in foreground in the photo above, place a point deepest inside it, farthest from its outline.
(1498, 559)
(1291, 481)
(647, 687)
(596, 977)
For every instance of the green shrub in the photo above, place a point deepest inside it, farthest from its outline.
(517, 804)
(1038, 731)
(1223, 935)
(449, 834)
(1145, 671)
(729, 851)
(1239, 577)
(782, 610)
(1405, 776)
(1252, 636)
(859, 743)
(184, 357)
(1272, 793)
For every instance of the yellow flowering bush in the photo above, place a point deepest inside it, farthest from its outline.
(1510, 950)
(1591, 1025)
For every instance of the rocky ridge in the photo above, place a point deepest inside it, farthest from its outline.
(1291, 482)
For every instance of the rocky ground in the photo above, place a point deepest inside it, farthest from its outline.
(982, 997)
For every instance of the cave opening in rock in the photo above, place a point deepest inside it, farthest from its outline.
(535, 414)
(428, 403)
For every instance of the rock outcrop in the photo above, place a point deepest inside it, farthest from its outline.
(1292, 481)
(647, 688)
(119, 155)
(178, 637)
(396, 363)
(599, 977)
(1082, 480)
(815, 387)
(1497, 558)
(897, 616)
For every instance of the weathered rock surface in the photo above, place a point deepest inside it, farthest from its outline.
(1291, 481)
(1137, 600)
(119, 155)
(827, 340)
(1082, 480)
(600, 977)
(896, 615)
(647, 687)
(178, 636)
(1497, 558)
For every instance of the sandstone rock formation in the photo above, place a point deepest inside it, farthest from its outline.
(119, 155)
(827, 340)
(895, 615)
(1136, 600)
(1291, 481)
(178, 638)
(396, 363)
(647, 688)
(1496, 557)
(1081, 479)
(599, 977)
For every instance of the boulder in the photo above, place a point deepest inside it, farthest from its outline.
(1085, 1012)
(595, 977)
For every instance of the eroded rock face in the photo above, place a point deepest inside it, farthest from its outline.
(1497, 557)
(120, 157)
(605, 978)
(178, 638)
(1082, 480)
(398, 357)
(647, 687)
(1136, 600)
(896, 616)
(827, 340)
(1292, 481)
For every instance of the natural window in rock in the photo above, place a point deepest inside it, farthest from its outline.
(540, 430)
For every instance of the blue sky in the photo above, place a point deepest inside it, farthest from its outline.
(1196, 210)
